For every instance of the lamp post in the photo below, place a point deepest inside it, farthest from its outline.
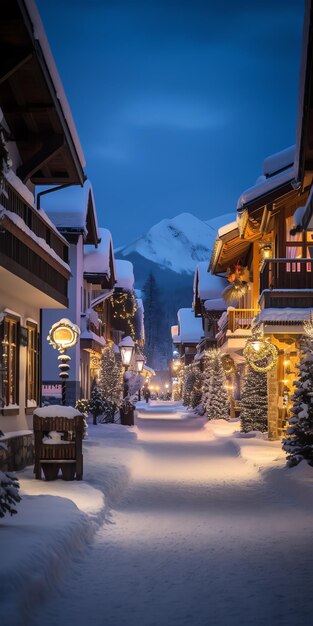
(140, 359)
(62, 336)
(126, 347)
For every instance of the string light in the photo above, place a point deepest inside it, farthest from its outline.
(124, 307)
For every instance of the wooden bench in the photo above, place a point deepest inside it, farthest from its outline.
(67, 455)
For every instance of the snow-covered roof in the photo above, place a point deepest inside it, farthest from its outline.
(190, 327)
(40, 35)
(97, 260)
(284, 315)
(124, 275)
(68, 208)
(216, 304)
(279, 161)
(264, 186)
(209, 285)
(227, 228)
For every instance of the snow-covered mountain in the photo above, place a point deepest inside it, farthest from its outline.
(170, 251)
(178, 244)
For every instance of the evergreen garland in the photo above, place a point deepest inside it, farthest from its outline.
(298, 444)
(254, 402)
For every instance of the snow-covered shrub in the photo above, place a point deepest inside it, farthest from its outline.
(298, 442)
(82, 406)
(254, 403)
(9, 495)
(96, 406)
(110, 384)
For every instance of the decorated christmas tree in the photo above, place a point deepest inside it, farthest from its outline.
(9, 494)
(196, 392)
(110, 383)
(299, 440)
(254, 405)
(189, 378)
(215, 398)
(96, 406)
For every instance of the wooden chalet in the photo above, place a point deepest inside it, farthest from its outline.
(207, 305)
(38, 136)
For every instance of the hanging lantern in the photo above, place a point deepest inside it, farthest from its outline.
(260, 353)
(228, 364)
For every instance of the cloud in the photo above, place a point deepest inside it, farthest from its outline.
(174, 112)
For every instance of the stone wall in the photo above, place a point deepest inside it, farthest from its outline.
(16, 452)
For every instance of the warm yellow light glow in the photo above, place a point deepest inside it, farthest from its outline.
(256, 345)
(286, 361)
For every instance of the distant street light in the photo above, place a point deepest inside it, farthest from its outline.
(140, 359)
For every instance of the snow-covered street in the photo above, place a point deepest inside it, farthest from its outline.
(193, 533)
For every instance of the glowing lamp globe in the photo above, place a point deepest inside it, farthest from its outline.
(140, 359)
(256, 345)
(126, 347)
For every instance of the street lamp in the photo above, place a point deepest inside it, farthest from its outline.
(127, 348)
(140, 359)
(62, 336)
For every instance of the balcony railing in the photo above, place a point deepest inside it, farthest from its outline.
(236, 319)
(12, 201)
(240, 319)
(287, 274)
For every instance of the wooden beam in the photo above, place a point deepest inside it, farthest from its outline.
(48, 149)
(10, 66)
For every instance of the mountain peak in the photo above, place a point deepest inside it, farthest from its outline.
(178, 243)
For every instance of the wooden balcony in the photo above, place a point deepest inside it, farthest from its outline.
(240, 319)
(286, 283)
(235, 320)
(23, 256)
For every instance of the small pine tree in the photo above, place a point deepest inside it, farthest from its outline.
(254, 403)
(196, 392)
(110, 383)
(96, 406)
(82, 406)
(298, 444)
(215, 398)
(9, 494)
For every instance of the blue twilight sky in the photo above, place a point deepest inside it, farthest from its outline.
(176, 102)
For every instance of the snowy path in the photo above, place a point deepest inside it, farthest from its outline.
(196, 538)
